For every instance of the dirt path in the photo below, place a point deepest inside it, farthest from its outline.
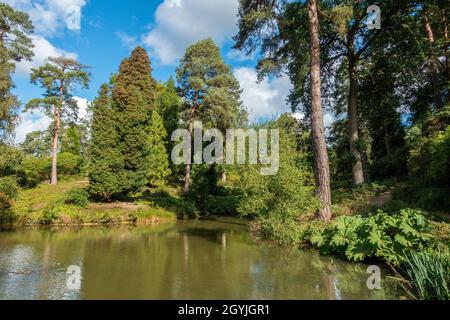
(382, 198)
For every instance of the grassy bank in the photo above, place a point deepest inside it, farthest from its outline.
(47, 205)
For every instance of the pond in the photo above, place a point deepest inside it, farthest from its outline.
(212, 259)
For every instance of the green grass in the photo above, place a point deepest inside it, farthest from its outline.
(45, 204)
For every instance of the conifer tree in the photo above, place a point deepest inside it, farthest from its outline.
(71, 141)
(210, 91)
(58, 77)
(158, 159)
(15, 46)
(132, 102)
(106, 163)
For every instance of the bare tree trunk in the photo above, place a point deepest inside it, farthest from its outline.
(433, 64)
(321, 161)
(57, 124)
(187, 174)
(357, 169)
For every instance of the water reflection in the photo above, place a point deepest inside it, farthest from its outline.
(186, 260)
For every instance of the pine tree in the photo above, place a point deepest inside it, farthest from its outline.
(106, 165)
(58, 77)
(158, 159)
(15, 46)
(210, 91)
(132, 102)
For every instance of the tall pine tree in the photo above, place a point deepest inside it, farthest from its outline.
(211, 93)
(132, 103)
(15, 46)
(158, 159)
(106, 165)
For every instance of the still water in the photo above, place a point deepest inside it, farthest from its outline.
(184, 260)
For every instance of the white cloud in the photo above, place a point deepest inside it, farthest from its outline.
(179, 23)
(30, 122)
(83, 105)
(128, 41)
(42, 50)
(266, 99)
(239, 56)
(49, 16)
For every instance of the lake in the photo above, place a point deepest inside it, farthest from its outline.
(207, 259)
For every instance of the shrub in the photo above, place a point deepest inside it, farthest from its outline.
(69, 164)
(77, 197)
(35, 170)
(8, 192)
(287, 194)
(379, 236)
(429, 273)
(48, 216)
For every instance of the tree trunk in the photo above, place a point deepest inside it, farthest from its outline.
(187, 174)
(321, 161)
(433, 64)
(224, 177)
(357, 169)
(57, 124)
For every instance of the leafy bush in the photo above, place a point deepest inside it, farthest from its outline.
(429, 273)
(35, 170)
(48, 216)
(379, 236)
(78, 197)
(69, 164)
(10, 160)
(289, 193)
(8, 192)
(430, 170)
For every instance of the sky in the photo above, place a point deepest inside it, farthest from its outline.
(108, 31)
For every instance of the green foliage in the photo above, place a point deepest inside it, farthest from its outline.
(209, 88)
(133, 99)
(71, 141)
(69, 163)
(77, 197)
(50, 76)
(49, 215)
(36, 170)
(8, 192)
(10, 160)
(106, 162)
(37, 143)
(158, 159)
(15, 46)
(429, 168)
(380, 236)
(287, 194)
(207, 195)
(169, 108)
(58, 77)
(429, 273)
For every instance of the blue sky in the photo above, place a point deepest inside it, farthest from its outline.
(110, 29)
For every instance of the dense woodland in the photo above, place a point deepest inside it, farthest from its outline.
(388, 90)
